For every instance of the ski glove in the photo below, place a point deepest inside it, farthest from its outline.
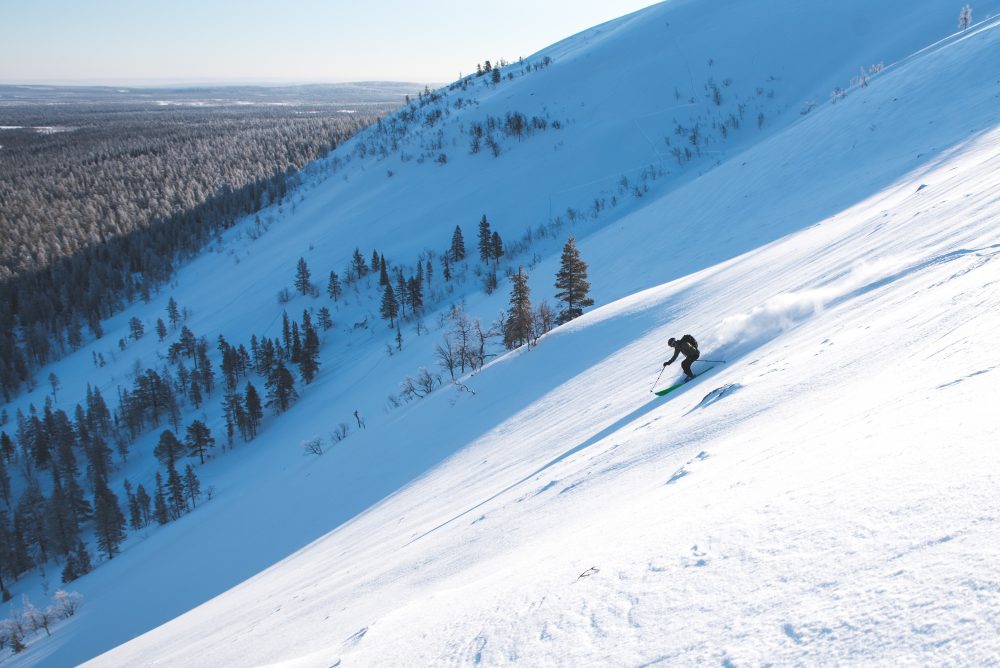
(665, 364)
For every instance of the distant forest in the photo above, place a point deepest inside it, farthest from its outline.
(103, 194)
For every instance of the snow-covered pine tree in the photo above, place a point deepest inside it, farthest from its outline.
(160, 510)
(296, 350)
(199, 439)
(255, 412)
(496, 247)
(390, 307)
(325, 321)
(309, 356)
(402, 295)
(572, 284)
(415, 294)
(383, 273)
(134, 512)
(358, 264)
(143, 501)
(204, 365)
(485, 241)
(8, 549)
(280, 388)
(136, 328)
(168, 449)
(6, 445)
(520, 316)
(302, 277)
(60, 521)
(83, 560)
(333, 288)
(236, 415)
(176, 501)
(192, 486)
(109, 522)
(173, 313)
(98, 458)
(457, 250)
(4, 478)
(286, 331)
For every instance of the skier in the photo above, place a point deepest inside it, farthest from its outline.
(689, 347)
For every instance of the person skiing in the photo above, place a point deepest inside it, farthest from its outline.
(687, 346)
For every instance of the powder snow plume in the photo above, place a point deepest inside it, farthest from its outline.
(743, 332)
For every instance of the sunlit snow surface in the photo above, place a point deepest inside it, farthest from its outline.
(828, 496)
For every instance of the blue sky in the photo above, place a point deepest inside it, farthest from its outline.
(154, 41)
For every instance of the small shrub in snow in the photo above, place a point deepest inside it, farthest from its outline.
(340, 433)
(965, 17)
(861, 79)
(67, 602)
(419, 387)
(33, 618)
(30, 619)
(313, 446)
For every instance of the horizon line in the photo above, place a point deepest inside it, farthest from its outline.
(198, 83)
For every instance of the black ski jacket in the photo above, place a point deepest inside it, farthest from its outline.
(685, 346)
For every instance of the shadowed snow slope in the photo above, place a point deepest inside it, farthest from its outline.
(834, 501)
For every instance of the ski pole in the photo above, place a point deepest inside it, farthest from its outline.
(658, 378)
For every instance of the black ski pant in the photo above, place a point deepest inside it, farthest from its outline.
(686, 365)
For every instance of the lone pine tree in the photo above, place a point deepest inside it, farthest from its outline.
(496, 247)
(333, 286)
(302, 277)
(485, 241)
(358, 264)
(457, 251)
(169, 448)
(173, 313)
(572, 284)
(390, 307)
(192, 486)
(520, 316)
(199, 439)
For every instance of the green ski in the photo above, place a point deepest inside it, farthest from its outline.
(673, 387)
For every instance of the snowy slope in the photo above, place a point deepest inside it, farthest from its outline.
(836, 473)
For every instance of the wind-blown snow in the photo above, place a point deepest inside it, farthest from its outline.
(826, 496)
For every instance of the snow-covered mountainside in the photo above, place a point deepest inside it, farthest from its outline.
(828, 495)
